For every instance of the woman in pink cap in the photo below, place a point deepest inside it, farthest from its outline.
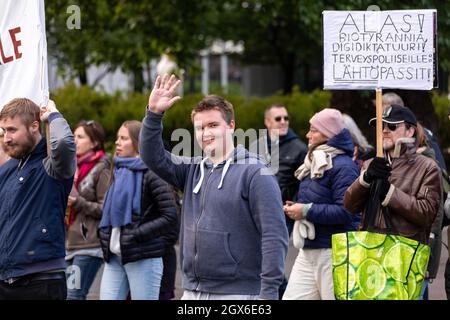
(328, 170)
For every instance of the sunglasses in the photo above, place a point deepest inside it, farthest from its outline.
(278, 119)
(391, 126)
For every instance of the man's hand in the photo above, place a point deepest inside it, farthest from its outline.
(45, 111)
(379, 168)
(162, 96)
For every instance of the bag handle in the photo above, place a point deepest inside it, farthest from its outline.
(374, 206)
(348, 265)
(412, 260)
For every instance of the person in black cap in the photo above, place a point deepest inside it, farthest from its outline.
(410, 190)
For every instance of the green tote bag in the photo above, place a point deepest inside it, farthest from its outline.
(374, 266)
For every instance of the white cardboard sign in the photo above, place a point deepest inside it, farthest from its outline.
(380, 49)
(23, 51)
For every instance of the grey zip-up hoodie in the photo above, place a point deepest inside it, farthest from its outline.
(233, 238)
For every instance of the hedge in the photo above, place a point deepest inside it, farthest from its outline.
(78, 103)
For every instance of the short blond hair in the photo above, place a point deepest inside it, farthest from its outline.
(24, 108)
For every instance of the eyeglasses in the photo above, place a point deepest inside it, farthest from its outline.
(89, 122)
(391, 126)
(278, 119)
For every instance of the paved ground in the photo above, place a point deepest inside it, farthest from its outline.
(436, 289)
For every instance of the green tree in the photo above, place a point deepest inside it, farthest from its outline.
(127, 34)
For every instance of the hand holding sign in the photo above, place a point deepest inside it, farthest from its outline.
(162, 96)
(45, 111)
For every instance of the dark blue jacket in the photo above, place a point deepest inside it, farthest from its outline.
(327, 195)
(33, 199)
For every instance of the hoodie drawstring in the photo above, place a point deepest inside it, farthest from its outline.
(224, 172)
(202, 176)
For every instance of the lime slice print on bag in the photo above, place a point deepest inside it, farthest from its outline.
(421, 260)
(370, 240)
(339, 248)
(340, 278)
(411, 287)
(357, 254)
(394, 291)
(398, 253)
(371, 278)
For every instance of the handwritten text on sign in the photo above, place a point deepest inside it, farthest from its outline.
(379, 49)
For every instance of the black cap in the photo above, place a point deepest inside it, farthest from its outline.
(397, 114)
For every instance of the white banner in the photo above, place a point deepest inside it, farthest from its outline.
(380, 49)
(23, 51)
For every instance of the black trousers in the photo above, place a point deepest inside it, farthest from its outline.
(170, 270)
(29, 288)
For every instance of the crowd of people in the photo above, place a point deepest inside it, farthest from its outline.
(67, 207)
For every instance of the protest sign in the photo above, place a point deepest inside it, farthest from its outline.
(23, 51)
(380, 49)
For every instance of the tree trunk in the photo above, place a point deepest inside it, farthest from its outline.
(138, 79)
(82, 76)
(191, 84)
(288, 77)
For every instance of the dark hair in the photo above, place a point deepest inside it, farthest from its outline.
(213, 102)
(94, 131)
(134, 128)
(273, 105)
(24, 108)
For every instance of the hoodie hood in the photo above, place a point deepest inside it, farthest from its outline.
(343, 141)
(240, 155)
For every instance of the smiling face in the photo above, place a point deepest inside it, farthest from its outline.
(277, 119)
(19, 140)
(213, 133)
(124, 144)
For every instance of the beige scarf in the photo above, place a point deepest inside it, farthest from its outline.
(321, 161)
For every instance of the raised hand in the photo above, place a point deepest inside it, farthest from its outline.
(163, 96)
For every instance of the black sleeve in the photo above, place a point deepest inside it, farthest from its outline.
(164, 203)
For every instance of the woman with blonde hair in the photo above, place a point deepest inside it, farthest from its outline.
(139, 211)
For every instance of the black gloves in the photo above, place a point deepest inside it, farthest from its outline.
(379, 168)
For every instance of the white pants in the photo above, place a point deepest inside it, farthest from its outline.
(311, 276)
(198, 295)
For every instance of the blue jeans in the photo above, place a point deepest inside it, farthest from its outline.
(424, 291)
(142, 278)
(80, 273)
